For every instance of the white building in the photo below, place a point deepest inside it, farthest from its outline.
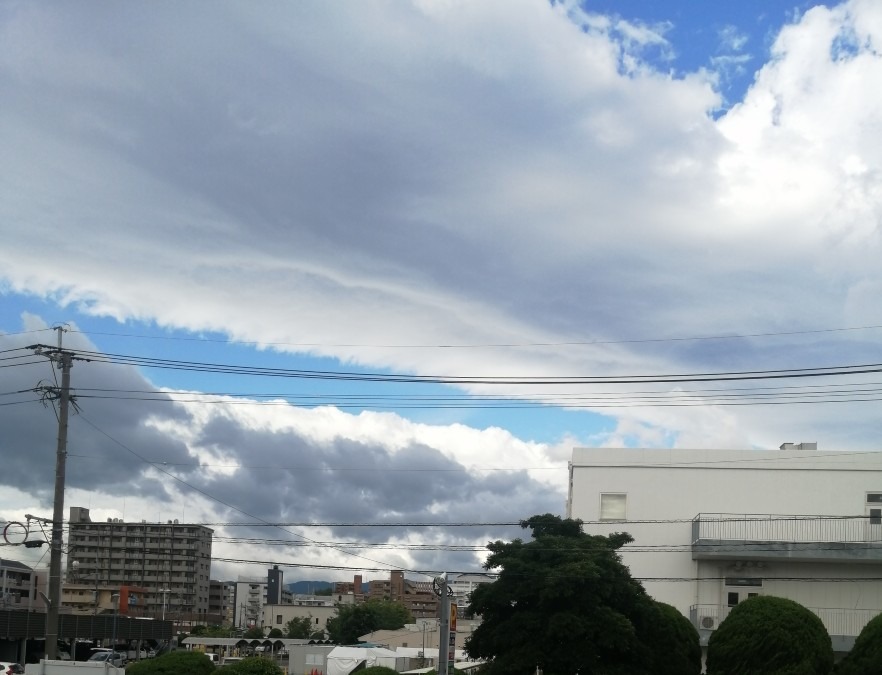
(712, 527)
(462, 586)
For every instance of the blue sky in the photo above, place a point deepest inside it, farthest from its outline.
(511, 188)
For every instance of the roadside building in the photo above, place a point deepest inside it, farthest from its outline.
(713, 528)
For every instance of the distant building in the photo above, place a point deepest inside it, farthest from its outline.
(355, 588)
(170, 562)
(19, 586)
(318, 608)
(252, 594)
(462, 586)
(417, 596)
(221, 601)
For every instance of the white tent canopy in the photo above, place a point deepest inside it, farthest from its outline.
(343, 660)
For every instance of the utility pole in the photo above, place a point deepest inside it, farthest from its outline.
(64, 360)
(442, 590)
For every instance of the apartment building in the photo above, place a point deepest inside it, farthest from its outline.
(462, 586)
(417, 596)
(252, 594)
(170, 563)
(20, 585)
(221, 602)
(713, 528)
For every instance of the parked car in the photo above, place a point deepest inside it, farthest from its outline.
(113, 658)
(9, 668)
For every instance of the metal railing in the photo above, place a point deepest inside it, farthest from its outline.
(837, 621)
(783, 528)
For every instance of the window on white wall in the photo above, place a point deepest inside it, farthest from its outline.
(613, 506)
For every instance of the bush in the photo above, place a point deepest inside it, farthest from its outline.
(253, 665)
(765, 635)
(675, 643)
(865, 658)
(174, 663)
(378, 670)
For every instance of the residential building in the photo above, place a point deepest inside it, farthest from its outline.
(221, 601)
(170, 561)
(417, 596)
(354, 588)
(252, 594)
(20, 585)
(462, 586)
(713, 528)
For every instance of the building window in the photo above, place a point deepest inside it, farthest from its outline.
(731, 599)
(875, 516)
(874, 497)
(744, 581)
(612, 506)
(278, 618)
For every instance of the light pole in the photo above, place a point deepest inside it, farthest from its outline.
(165, 592)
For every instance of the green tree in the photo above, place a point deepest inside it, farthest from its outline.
(563, 602)
(378, 670)
(865, 658)
(325, 591)
(674, 642)
(276, 633)
(766, 635)
(178, 662)
(299, 627)
(353, 621)
(254, 665)
(254, 633)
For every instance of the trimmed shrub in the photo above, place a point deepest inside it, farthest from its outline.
(178, 662)
(378, 670)
(253, 665)
(865, 658)
(675, 643)
(766, 635)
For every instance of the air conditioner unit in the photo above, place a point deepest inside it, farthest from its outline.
(708, 622)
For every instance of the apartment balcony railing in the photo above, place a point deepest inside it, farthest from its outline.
(776, 537)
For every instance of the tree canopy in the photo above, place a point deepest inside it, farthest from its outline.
(300, 627)
(254, 633)
(563, 602)
(353, 621)
(766, 635)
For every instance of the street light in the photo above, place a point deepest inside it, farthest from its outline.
(165, 592)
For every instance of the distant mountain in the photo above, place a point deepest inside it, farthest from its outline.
(308, 587)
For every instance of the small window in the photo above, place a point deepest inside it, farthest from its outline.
(278, 618)
(732, 599)
(744, 581)
(875, 516)
(874, 497)
(612, 506)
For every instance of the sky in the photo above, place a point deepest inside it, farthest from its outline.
(401, 238)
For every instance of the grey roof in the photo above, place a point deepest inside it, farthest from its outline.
(15, 565)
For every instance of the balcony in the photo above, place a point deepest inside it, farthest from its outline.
(758, 537)
(843, 625)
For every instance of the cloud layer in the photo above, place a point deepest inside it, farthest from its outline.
(425, 173)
